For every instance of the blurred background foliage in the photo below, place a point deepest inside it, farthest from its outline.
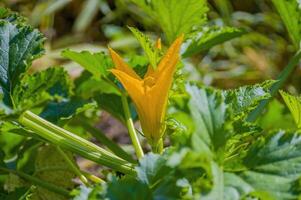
(93, 25)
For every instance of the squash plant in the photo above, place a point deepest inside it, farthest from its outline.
(195, 141)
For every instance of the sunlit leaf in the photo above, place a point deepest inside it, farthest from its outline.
(172, 15)
(209, 37)
(294, 105)
(148, 47)
(97, 64)
(290, 13)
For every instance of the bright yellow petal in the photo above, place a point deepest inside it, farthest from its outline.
(172, 55)
(164, 77)
(132, 85)
(121, 65)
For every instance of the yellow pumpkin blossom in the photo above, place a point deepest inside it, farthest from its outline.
(150, 94)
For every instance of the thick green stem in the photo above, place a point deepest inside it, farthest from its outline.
(276, 86)
(73, 167)
(131, 128)
(49, 186)
(158, 147)
(74, 143)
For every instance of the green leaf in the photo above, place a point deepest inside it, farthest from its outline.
(294, 105)
(12, 182)
(273, 166)
(139, 64)
(48, 158)
(19, 46)
(172, 15)
(9, 142)
(56, 112)
(246, 98)
(97, 64)
(290, 14)
(40, 87)
(151, 52)
(209, 113)
(209, 37)
(91, 86)
(198, 170)
(12, 17)
(218, 186)
(129, 188)
(112, 104)
(277, 116)
(152, 168)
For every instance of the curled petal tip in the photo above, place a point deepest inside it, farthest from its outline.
(158, 44)
(180, 38)
(111, 51)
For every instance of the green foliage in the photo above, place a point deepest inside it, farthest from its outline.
(202, 41)
(19, 46)
(273, 167)
(65, 110)
(151, 52)
(112, 104)
(172, 15)
(209, 113)
(218, 118)
(246, 98)
(294, 105)
(47, 159)
(38, 88)
(129, 188)
(290, 13)
(277, 116)
(10, 142)
(98, 64)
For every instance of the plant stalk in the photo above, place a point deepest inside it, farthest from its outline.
(129, 121)
(74, 143)
(131, 128)
(158, 147)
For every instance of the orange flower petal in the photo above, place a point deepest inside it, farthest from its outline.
(121, 65)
